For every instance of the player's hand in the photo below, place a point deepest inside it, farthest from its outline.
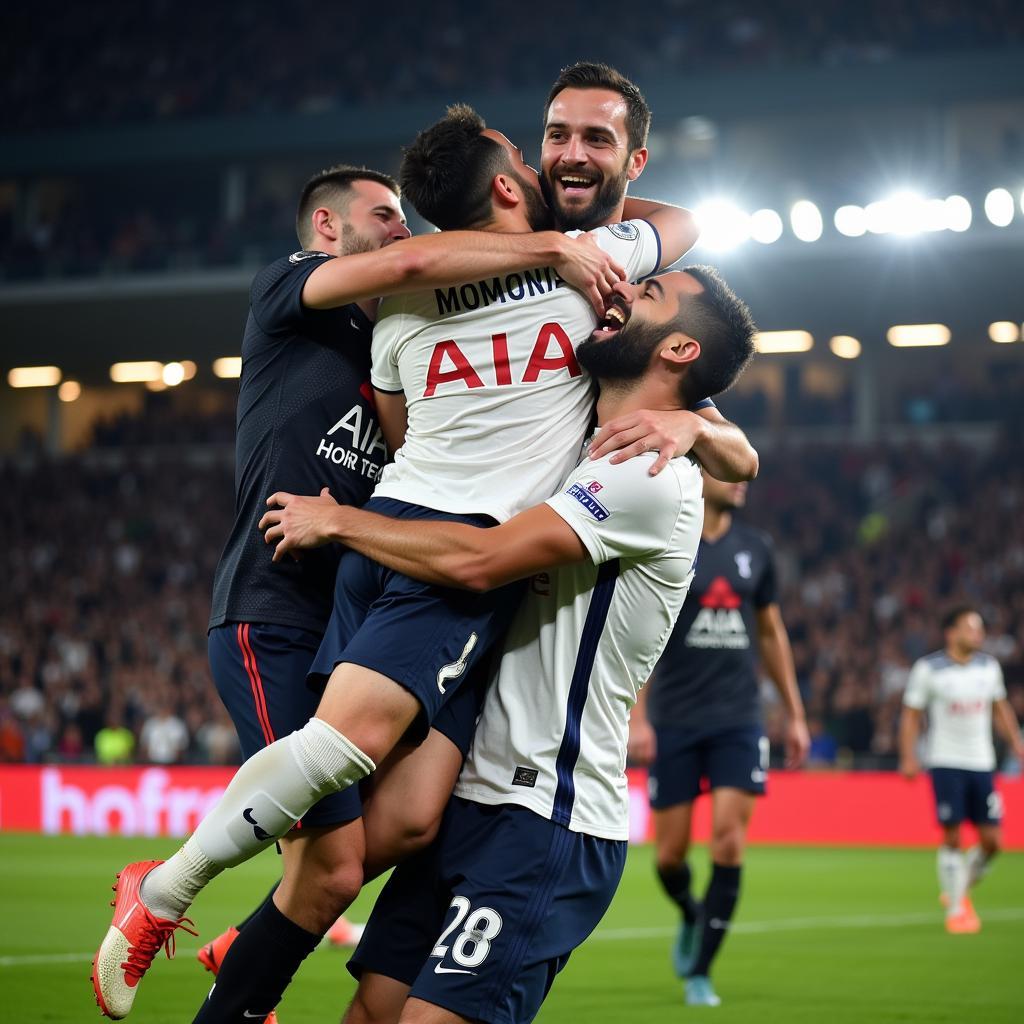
(798, 742)
(590, 270)
(668, 433)
(909, 767)
(642, 744)
(296, 521)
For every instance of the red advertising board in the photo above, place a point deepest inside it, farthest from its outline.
(841, 808)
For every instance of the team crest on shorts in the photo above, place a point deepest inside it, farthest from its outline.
(624, 230)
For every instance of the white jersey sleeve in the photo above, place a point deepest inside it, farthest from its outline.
(918, 691)
(387, 333)
(621, 511)
(635, 244)
(998, 685)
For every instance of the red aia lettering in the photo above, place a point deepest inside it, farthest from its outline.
(462, 370)
(540, 360)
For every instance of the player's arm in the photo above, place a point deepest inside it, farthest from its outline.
(642, 744)
(393, 417)
(721, 447)
(448, 554)
(676, 227)
(1006, 723)
(777, 660)
(449, 257)
(910, 729)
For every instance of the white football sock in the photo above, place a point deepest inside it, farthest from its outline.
(952, 877)
(268, 794)
(978, 864)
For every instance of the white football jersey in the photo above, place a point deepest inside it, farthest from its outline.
(498, 405)
(958, 699)
(553, 731)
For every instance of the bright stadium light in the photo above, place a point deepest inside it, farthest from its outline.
(723, 225)
(173, 374)
(844, 346)
(773, 342)
(136, 373)
(69, 391)
(189, 367)
(850, 221)
(228, 366)
(999, 207)
(1004, 332)
(918, 335)
(958, 213)
(765, 226)
(155, 385)
(33, 376)
(805, 219)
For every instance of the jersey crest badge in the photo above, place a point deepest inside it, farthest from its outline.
(627, 232)
(743, 560)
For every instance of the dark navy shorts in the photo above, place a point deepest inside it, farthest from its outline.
(482, 920)
(962, 795)
(426, 638)
(736, 758)
(260, 671)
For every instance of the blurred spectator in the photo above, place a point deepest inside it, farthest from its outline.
(115, 742)
(164, 738)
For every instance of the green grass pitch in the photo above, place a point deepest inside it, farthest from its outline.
(822, 935)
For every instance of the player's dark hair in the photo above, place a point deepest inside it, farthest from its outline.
(447, 172)
(587, 74)
(956, 613)
(721, 322)
(333, 187)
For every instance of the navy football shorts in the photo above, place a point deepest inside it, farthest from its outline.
(735, 758)
(426, 638)
(482, 920)
(963, 795)
(260, 671)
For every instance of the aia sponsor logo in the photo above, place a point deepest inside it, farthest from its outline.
(720, 595)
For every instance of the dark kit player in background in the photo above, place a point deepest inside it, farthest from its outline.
(700, 718)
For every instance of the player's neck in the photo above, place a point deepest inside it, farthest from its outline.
(717, 521)
(619, 399)
(959, 656)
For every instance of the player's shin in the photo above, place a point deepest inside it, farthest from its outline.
(719, 904)
(978, 865)
(952, 868)
(268, 794)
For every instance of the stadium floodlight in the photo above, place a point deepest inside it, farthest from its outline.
(137, 372)
(1004, 332)
(765, 226)
(999, 207)
(189, 367)
(805, 220)
(850, 221)
(958, 213)
(918, 335)
(844, 346)
(723, 225)
(173, 374)
(69, 391)
(774, 342)
(228, 366)
(33, 376)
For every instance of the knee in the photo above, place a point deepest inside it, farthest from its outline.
(364, 1010)
(727, 846)
(990, 845)
(669, 857)
(340, 884)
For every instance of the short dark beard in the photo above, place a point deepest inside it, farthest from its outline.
(624, 357)
(607, 197)
(352, 242)
(538, 214)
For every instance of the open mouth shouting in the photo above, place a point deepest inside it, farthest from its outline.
(615, 318)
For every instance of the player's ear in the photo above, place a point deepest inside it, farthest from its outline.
(679, 349)
(636, 163)
(502, 192)
(326, 223)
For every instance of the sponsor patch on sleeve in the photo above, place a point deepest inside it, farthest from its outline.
(583, 492)
(624, 230)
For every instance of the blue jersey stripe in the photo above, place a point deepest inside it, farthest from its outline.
(569, 751)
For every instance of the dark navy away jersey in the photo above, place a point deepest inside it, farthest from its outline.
(707, 678)
(305, 421)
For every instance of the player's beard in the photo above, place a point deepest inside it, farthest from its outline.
(538, 215)
(352, 242)
(625, 356)
(607, 196)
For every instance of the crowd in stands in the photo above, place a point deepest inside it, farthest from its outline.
(110, 557)
(165, 59)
